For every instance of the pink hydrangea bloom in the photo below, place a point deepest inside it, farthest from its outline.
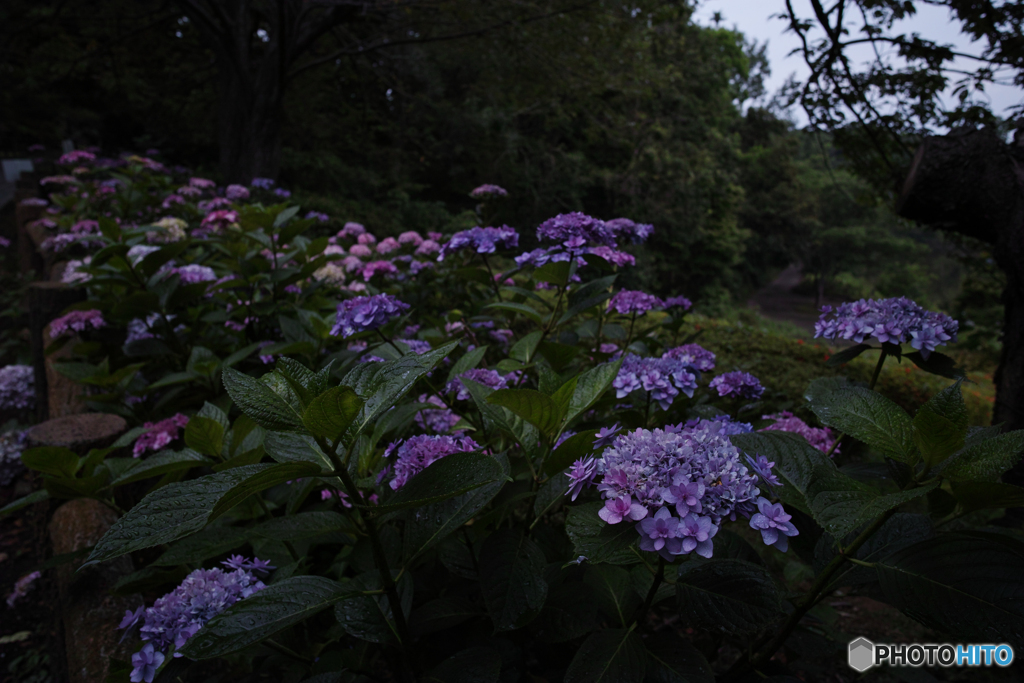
(360, 250)
(366, 238)
(378, 268)
(387, 245)
(821, 438)
(159, 434)
(76, 321)
(202, 183)
(411, 237)
(427, 248)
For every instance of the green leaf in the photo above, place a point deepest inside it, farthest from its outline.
(671, 659)
(511, 578)
(846, 355)
(330, 414)
(795, 461)
(517, 308)
(597, 540)
(260, 616)
(260, 402)
(865, 415)
(612, 656)
(572, 449)
(728, 595)
(468, 361)
(937, 364)
(285, 216)
(524, 349)
(590, 386)
(428, 525)
(563, 395)
(182, 508)
(502, 418)
(940, 425)
(56, 461)
(308, 525)
(531, 405)
(30, 499)
(968, 585)
(444, 478)
(569, 612)
(555, 272)
(987, 460)
(197, 548)
(475, 665)
(613, 592)
(442, 614)
(205, 435)
(290, 447)
(161, 463)
(899, 531)
(369, 617)
(553, 490)
(987, 495)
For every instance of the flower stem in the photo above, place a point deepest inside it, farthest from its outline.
(655, 584)
(878, 369)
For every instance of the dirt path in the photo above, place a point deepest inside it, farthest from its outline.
(777, 301)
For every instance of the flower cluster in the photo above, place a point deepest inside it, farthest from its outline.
(366, 313)
(177, 616)
(694, 355)
(17, 387)
(488, 191)
(893, 321)
(662, 378)
(680, 301)
(22, 587)
(625, 229)
(628, 302)
(693, 471)
(76, 321)
(439, 421)
(481, 240)
(575, 230)
(12, 443)
(416, 453)
(821, 438)
(159, 434)
(489, 378)
(737, 385)
(194, 273)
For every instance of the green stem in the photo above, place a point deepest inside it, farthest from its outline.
(658, 578)
(629, 337)
(497, 287)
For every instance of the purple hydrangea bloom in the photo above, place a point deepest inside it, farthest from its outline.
(366, 313)
(625, 229)
(283, 193)
(488, 191)
(662, 378)
(606, 435)
(613, 256)
(681, 301)
(659, 529)
(159, 434)
(821, 438)
(373, 268)
(417, 346)
(193, 273)
(535, 258)
(489, 378)
(617, 509)
(693, 355)
(696, 533)
(177, 616)
(481, 240)
(763, 468)
(737, 385)
(581, 474)
(894, 321)
(773, 523)
(17, 387)
(575, 230)
(262, 183)
(236, 192)
(627, 302)
(437, 421)
(21, 587)
(76, 321)
(317, 216)
(416, 453)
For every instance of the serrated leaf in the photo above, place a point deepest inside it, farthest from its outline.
(968, 585)
(260, 616)
(728, 595)
(199, 547)
(554, 272)
(937, 364)
(511, 578)
(865, 415)
(205, 435)
(330, 414)
(899, 531)
(260, 402)
(671, 659)
(290, 447)
(612, 656)
(597, 540)
(445, 478)
(987, 460)
(161, 463)
(179, 509)
(940, 425)
(307, 525)
(531, 405)
(524, 349)
(590, 386)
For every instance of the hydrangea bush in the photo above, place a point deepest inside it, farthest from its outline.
(460, 459)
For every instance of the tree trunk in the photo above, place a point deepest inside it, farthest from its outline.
(972, 182)
(249, 126)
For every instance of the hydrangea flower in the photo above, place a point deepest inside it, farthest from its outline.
(159, 434)
(439, 421)
(624, 228)
(489, 378)
(613, 256)
(73, 273)
(77, 156)
(428, 248)
(662, 378)
(680, 301)
(236, 192)
(21, 587)
(388, 245)
(76, 321)
(417, 346)
(694, 355)
(410, 237)
(351, 230)
(366, 238)
(893, 321)
(575, 230)
(194, 273)
(581, 474)
(262, 183)
(762, 467)
(177, 616)
(773, 523)
(360, 250)
(737, 385)
(317, 216)
(481, 240)
(373, 268)
(629, 302)
(416, 453)
(366, 313)
(821, 438)
(215, 221)
(488, 191)
(331, 273)
(283, 193)
(17, 387)
(606, 435)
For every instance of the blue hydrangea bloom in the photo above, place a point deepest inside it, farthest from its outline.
(366, 313)
(773, 523)
(737, 385)
(575, 230)
(694, 355)
(662, 378)
(895, 321)
(481, 240)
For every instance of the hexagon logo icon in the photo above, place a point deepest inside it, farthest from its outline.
(862, 654)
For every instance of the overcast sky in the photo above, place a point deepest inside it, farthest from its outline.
(752, 18)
